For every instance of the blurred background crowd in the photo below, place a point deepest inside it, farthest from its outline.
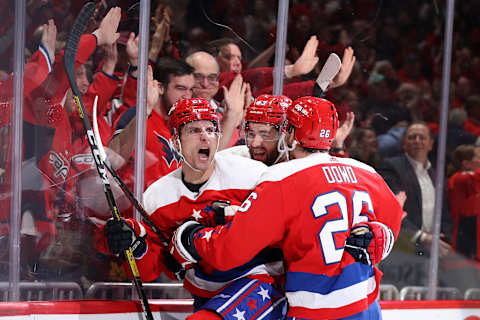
(197, 49)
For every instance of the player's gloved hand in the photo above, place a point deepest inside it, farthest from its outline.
(223, 212)
(124, 234)
(181, 246)
(370, 242)
(174, 267)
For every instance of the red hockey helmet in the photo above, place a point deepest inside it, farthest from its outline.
(315, 121)
(188, 110)
(268, 109)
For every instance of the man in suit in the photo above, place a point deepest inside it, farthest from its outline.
(413, 173)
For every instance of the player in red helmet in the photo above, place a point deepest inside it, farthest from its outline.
(195, 191)
(264, 121)
(315, 121)
(311, 205)
(199, 117)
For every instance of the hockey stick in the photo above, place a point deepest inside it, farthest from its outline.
(69, 62)
(329, 71)
(119, 181)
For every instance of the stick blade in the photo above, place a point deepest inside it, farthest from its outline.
(329, 71)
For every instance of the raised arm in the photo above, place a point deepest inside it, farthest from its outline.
(123, 143)
(234, 103)
(348, 61)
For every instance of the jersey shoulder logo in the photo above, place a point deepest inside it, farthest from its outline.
(170, 155)
(60, 164)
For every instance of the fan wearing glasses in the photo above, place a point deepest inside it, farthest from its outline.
(206, 75)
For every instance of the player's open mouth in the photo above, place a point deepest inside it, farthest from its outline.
(204, 153)
(257, 154)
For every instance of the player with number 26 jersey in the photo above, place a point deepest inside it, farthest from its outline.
(315, 201)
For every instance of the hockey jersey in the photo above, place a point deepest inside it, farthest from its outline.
(308, 206)
(169, 203)
(36, 70)
(63, 155)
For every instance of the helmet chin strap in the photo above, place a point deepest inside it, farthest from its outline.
(283, 148)
(185, 160)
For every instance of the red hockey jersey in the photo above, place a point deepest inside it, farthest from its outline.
(463, 191)
(36, 71)
(307, 207)
(169, 203)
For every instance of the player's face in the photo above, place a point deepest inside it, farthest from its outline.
(199, 141)
(82, 79)
(262, 142)
(230, 58)
(206, 80)
(417, 142)
(179, 87)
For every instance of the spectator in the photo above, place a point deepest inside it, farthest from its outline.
(472, 106)
(390, 143)
(464, 197)
(410, 97)
(206, 75)
(463, 89)
(412, 172)
(364, 146)
(411, 71)
(382, 112)
(228, 55)
(175, 79)
(456, 135)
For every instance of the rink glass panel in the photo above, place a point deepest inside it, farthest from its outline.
(63, 204)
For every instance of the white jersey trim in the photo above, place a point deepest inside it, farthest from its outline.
(44, 51)
(241, 150)
(335, 299)
(230, 173)
(283, 170)
(271, 268)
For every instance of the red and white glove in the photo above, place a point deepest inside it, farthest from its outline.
(370, 242)
(181, 246)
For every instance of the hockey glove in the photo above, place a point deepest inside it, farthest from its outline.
(370, 242)
(181, 246)
(223, 212)
(174, 267)
(124, 234)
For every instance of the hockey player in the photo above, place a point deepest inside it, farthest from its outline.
(308, 207)
(206, 180)
(264, 121)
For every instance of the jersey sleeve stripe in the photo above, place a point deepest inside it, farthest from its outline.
(334, 299)
(323, 284)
